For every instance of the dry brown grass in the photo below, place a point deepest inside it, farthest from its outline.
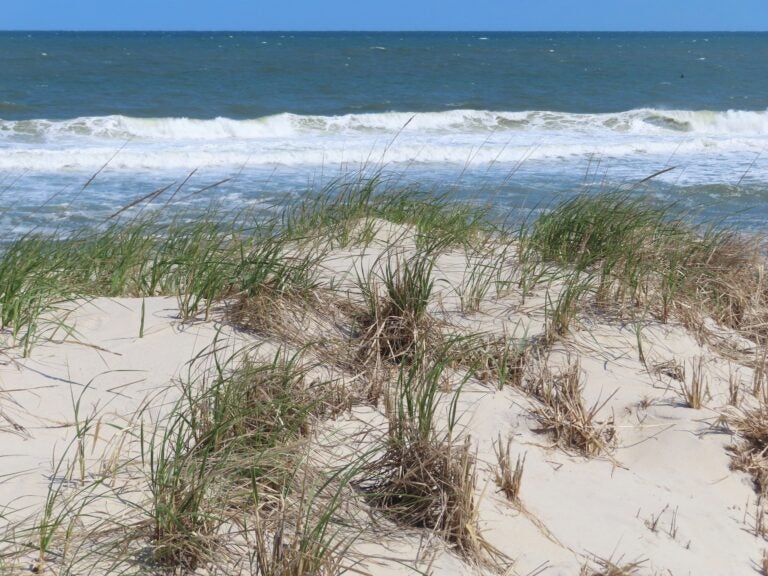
(758, 374)
(606, 567)
(321, 322)
(267, 312)
(671, 369)
(759, 518)
(391, 335)
(694, 394)
(395, 325)
(562, 414)
(508, 479)
(429, 485)
(725, 282)
(492, 359)
(728, 281)
(302, 319)
(734, 387)
(749, 455)
(646, 256)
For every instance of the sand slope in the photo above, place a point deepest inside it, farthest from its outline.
(663, 495)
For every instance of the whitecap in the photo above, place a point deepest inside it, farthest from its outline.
(450, 137)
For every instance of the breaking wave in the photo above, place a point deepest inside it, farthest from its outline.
(647, 121)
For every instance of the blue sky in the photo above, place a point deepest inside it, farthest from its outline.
(384, 15)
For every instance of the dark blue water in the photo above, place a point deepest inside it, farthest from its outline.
(248, 75)
(516, 117)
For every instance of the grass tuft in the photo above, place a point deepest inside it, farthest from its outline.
(508, 480)
(423, 479)
(395, 325)
(694, 394)
(230, 455)
(751, 425)
(562, 413)
(640, 255)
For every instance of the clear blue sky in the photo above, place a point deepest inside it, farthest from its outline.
(384, 15)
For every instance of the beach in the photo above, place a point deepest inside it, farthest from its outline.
(390, 384)
(383, 303)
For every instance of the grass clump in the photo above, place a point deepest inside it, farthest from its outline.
(422, 478)
(184, 521)
(350, 212)
(490, 358)
(591, 229)
(265, 404)
(617, 242)
(642, 255)
(395, 325)
(562, 413)
(751, 426)
(694, 394)
(508, 479)
(231, 457)
(272, 286)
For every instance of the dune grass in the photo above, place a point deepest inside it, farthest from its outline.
(618, 249)
(229, 476)
(424, 477)
(562, 414)
(230, 467)
(394, 324)
(351, 212)
(642, 256)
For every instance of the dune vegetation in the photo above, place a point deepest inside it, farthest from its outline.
(389, 376)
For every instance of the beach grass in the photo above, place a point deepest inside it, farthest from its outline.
(231, 470)
(641, 256)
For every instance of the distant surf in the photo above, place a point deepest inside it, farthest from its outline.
(455, 137)
(646, 121)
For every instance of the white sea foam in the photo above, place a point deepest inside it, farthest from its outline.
(642, 121)
(646, 136)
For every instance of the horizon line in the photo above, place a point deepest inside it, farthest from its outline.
(382, 31)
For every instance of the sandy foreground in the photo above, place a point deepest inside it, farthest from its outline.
(663, 495)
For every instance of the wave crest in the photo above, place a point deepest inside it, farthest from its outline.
(647, 121)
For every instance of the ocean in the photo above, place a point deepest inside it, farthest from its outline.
(91, 121)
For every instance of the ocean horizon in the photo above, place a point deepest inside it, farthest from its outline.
(89, 121)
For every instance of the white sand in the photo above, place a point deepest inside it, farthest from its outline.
(106, 362)
(665, 494)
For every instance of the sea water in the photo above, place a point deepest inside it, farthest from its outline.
(89, 122)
